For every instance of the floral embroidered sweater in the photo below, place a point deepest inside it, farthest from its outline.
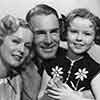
(77, 74)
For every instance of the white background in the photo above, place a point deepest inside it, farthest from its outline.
(19, 8)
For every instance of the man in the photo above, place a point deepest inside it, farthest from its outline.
(44, 23)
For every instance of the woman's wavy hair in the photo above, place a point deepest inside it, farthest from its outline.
(84, 13)
(9, 25)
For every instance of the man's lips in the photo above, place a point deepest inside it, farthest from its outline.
(48, 47)
(48, 50)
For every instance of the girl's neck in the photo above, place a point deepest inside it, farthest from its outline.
(73, 56)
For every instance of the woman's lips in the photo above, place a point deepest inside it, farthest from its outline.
(17, 57)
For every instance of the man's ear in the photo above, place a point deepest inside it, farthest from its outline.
(62, 27)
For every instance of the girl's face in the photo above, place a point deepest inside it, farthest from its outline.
(80, 35)
(15, 47)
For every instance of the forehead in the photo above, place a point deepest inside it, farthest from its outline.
(82, 23)
(23, 33)
(44, 22)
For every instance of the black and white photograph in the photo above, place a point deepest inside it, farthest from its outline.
(49, 50)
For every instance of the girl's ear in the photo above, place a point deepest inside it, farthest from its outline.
(97, 40)
(93, 43)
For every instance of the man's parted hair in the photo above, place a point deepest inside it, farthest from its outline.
(41, 9)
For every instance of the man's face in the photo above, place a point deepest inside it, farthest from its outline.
(15, 47)
(47, 35)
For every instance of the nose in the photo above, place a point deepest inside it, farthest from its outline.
(48, 38)
(79, 37)
(21, 49)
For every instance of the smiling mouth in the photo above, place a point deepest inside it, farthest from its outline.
(78, 45)
(17, 57)
(48, 50)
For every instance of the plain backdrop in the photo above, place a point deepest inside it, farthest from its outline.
(19, 8)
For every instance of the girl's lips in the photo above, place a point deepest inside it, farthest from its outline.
(78, 45)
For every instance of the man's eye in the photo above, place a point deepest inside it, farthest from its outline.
(55, 31)
(40, 32)
(16, 41)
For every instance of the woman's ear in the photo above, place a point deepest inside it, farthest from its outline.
(2, 33)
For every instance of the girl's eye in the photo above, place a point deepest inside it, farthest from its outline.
(87, 33)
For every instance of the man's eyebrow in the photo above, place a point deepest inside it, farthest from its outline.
(55, 29)
(40, 31)
(50, 30)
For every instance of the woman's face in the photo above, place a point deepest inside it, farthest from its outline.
(80, 35)
(15, 47)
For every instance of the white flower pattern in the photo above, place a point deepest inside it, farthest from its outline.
(57, 71)
(81, 74)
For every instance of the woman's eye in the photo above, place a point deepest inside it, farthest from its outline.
(28, 46)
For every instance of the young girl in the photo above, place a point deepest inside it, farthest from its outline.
(75, 75)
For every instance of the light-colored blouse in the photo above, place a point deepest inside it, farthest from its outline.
(10, 88)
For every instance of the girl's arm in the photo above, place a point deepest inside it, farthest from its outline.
(95, 84)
